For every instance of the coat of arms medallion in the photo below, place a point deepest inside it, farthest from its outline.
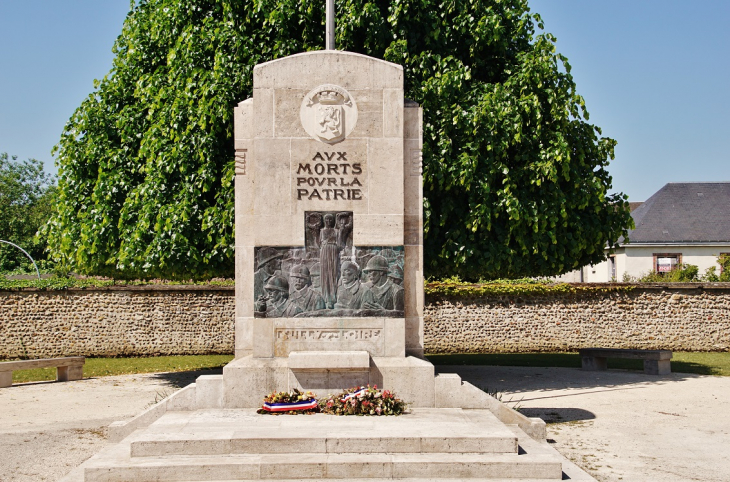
(328, 113)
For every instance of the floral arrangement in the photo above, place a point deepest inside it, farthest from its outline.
(292, 403)
(363, 401)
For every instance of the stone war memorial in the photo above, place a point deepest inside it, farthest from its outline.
(329, 296)
(329, 283)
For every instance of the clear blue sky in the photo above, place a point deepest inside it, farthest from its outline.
(654, 73)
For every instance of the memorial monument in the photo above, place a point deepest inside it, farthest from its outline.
(329, 295)
(328, 181)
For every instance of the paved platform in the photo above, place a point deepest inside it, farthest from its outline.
(425, 444)
(213, 432)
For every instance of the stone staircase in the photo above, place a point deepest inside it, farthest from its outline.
(238, 444)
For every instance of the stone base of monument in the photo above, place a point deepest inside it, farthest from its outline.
(465, 435)
(247, 380)
(425, 444)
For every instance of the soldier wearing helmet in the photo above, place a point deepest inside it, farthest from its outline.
(276, 303)
(303, 295)
(314, 277)
(387, 295)
(396, 275)
(351, 293)
(269, 264)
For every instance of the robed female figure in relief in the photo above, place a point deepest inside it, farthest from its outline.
(329, 259)
(332, 240)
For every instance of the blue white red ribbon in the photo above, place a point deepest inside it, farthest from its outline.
(354, 394)
(289, 407)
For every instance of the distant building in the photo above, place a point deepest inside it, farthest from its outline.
(686, 222)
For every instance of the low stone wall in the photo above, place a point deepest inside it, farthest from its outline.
(673, 317)
(164, 320)
(170, 320)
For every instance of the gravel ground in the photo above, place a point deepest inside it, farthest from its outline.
(617, 425)
(623, 425)
(63, 424)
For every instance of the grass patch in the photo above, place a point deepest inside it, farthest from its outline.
(103, 367)
(701, 363)
(509, 359)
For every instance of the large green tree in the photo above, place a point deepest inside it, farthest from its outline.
(26, 202)
(515, 178)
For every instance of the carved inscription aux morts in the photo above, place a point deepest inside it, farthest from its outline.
(329, 176)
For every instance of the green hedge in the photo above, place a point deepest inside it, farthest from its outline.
(62, 283)
(519, 287)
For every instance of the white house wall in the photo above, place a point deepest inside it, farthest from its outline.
(639, 260)
(596, 273)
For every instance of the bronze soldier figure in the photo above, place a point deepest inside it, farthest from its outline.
(396, 274)
(352, 294)
(269, 264)
(387, 295)
(303, 295)
(276, 303)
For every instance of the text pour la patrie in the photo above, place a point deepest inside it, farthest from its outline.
(329, 176)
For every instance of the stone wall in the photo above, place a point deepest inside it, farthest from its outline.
(168, 320)
(685, 317)
(165, 320)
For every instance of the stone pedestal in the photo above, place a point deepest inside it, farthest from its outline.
(328, 178)
(245, 379)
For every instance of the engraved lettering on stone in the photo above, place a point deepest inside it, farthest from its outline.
(364, 334)
(328, 176)
(240, 161)
(416, 164)
(328, 113)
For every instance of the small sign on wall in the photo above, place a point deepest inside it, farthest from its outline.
(664, 265)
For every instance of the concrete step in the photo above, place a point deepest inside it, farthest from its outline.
(208, 445)
(201, 444)
(358, 479)
(240, 432)
(328, 466)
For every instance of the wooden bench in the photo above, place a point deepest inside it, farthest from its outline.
(67, 368)
(656, 362)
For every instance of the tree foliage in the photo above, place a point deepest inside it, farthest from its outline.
(26, 201)
(724, 261)
(515, 179)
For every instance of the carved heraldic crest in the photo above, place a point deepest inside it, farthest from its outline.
(328, 113)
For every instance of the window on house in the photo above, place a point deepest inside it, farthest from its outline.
(666, 262)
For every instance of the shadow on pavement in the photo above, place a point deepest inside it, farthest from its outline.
(557, 360)
(517, 379)
(504, 378)
(558, 415)
(183, 379)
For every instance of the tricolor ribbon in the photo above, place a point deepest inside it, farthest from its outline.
(354, 394)
(288, 407)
